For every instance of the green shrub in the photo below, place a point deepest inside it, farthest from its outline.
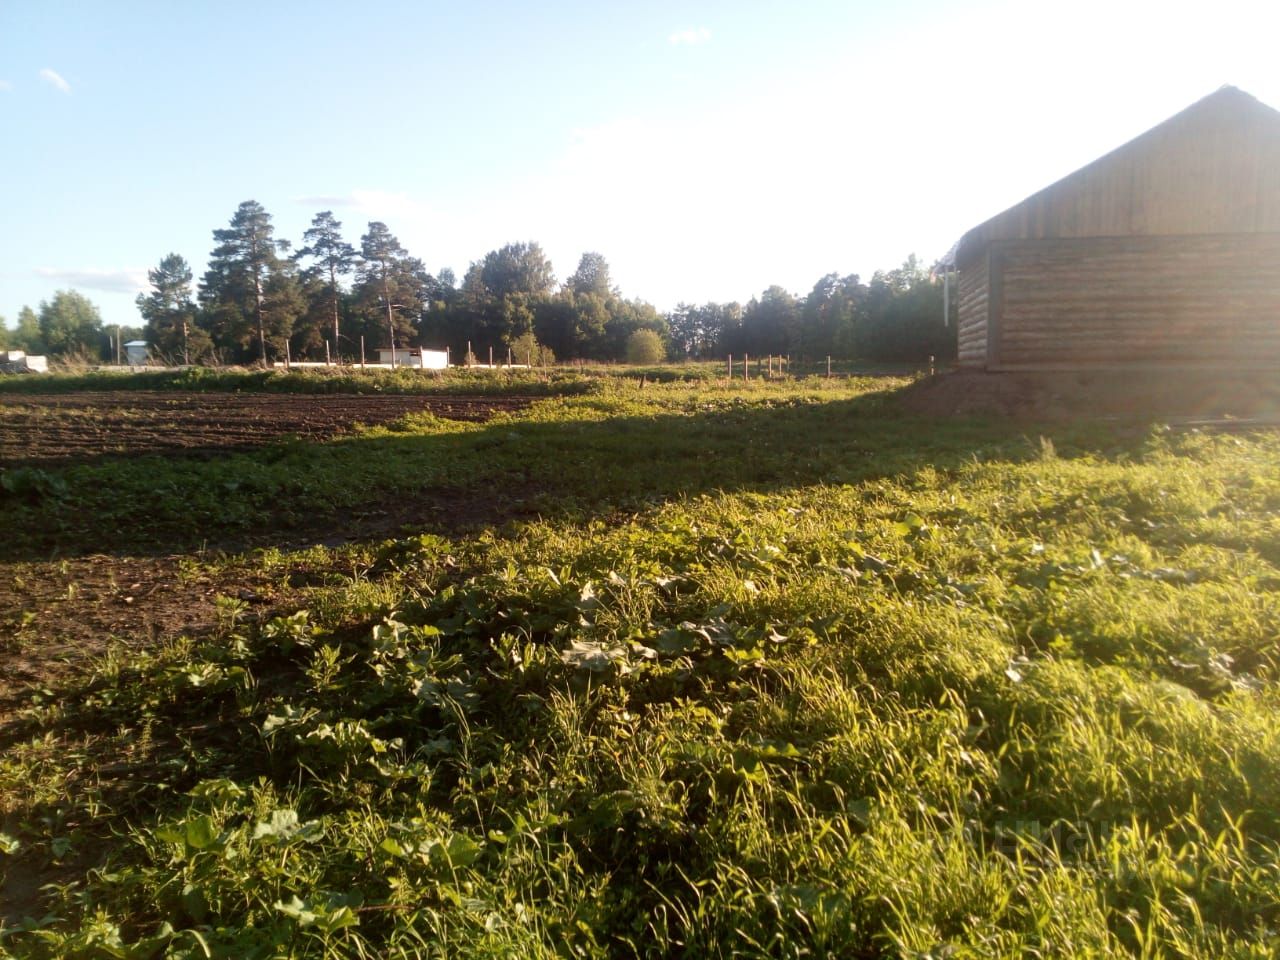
(645, 346)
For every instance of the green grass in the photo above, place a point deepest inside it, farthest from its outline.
(751, 671)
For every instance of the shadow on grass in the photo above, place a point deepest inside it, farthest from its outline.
(585, 463)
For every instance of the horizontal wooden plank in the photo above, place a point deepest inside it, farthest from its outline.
(1203, 299)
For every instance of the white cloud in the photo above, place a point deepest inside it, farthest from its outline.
(129, 280)
(54, 79)
(692, 37)
(5, 86)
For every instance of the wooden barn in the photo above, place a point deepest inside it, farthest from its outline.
(1163, 253)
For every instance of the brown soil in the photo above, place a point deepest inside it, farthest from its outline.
(1171, 395)
(58, 615)
(55, 615)
(40, 429)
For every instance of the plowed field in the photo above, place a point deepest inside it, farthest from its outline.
(43, 429)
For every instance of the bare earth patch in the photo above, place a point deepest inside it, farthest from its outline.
(55, 615)
(58, 615)
(40, 429)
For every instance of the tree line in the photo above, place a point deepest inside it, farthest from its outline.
(261, 299)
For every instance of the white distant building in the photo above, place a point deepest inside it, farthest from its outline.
(135, 353)
(415, 357)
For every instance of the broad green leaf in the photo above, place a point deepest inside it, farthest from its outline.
(462, 851)
(298, 909)
(201, 833)
(219, 791)
(194, 903)
(392, 846)
(284, 826)
(591, 656)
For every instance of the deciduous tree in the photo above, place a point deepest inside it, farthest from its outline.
(26, 335)
(517, 268)
(70, 324)
(592, 276)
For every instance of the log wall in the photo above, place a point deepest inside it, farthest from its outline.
(972, 324)
(1210, 300)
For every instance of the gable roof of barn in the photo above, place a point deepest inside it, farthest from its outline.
(1212, 168)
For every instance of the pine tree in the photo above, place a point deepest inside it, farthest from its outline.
(170, 312)
(389, 280)
(236, 288)
(333, 257)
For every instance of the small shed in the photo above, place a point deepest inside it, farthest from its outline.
(415, 357)
(1163, 253)
(136, 353)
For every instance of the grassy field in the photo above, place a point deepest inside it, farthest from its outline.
(683, 669)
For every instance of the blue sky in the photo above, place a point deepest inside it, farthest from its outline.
(708, 150)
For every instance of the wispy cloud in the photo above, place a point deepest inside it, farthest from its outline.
(54, 79)
(327, 200)
(373, 203)
(692, 37)
(5, 86)
(129, 280)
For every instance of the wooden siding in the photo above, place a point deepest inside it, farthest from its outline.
(972, 324)
(1211, 300)
(1213, 168)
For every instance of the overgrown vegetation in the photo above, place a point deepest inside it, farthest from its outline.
(704, 671)
(316, 380)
